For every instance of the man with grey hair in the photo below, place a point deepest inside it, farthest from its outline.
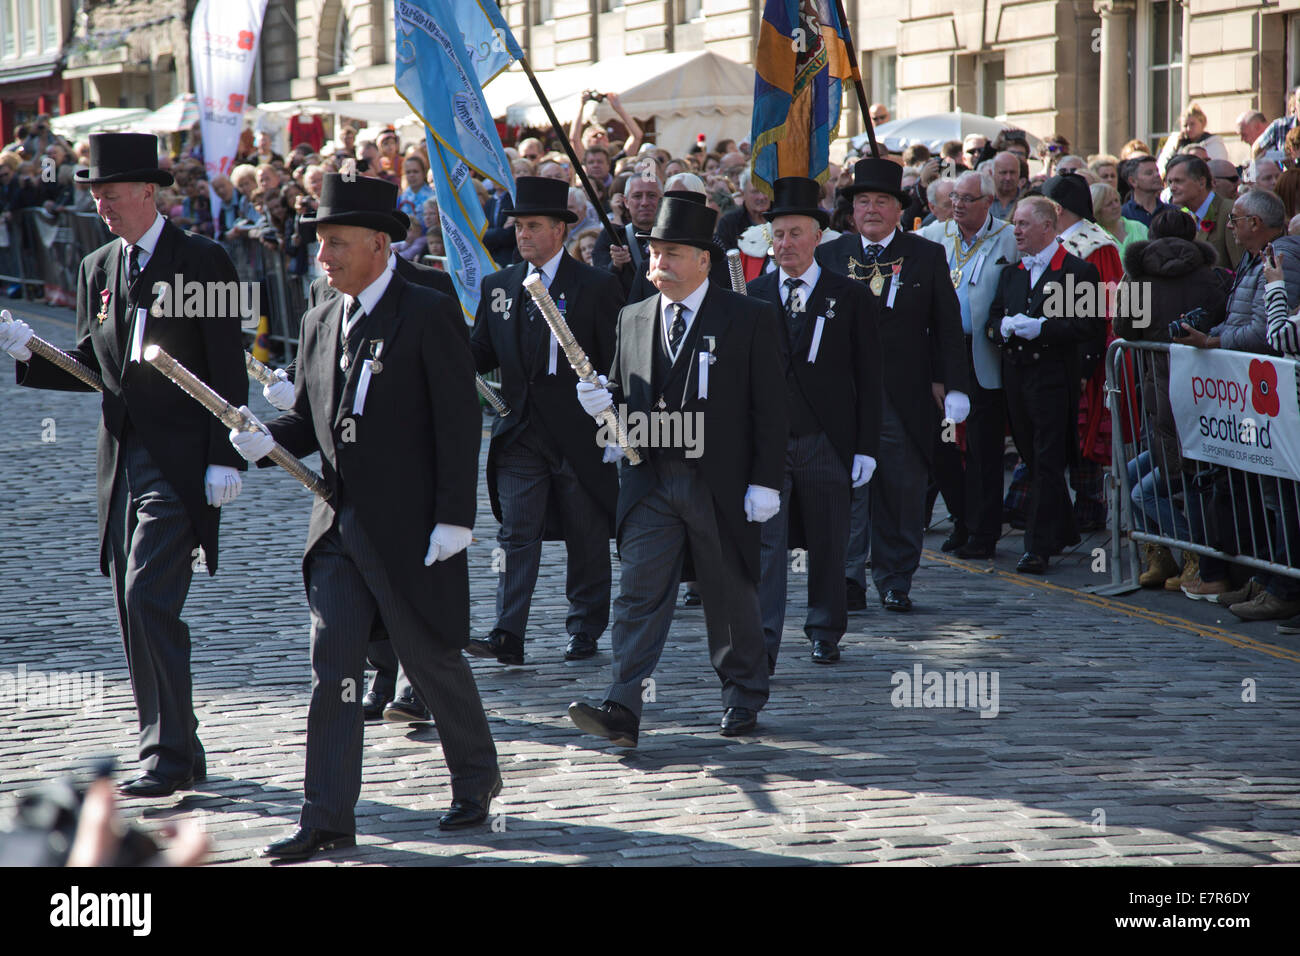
(628, 259)
(749, 213)
(1251, 125)
(1264, 172)
(938, 194)
(978, 247)
(1008, 180)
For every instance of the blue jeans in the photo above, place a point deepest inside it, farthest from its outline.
(1153, 508)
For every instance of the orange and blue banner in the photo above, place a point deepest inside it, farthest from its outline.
(801, 64)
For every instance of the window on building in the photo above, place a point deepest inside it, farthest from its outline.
(8, 28)
(543, 11)
(991, 84)
(49, 27)
(342, 45)
(609, 6)
(688, 10)
(1164, 66)
(884, 78)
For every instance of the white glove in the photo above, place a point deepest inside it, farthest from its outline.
(1008, 325)
(612, 453)
(222, 484)
(281, 393)
(445, 541)
(595, 398)
(14, 334)
(255, 443)
(956, 406)
(864, 466)
(761, 503)
(1028, 328)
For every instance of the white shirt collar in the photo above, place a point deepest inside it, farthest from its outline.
(883, 243)
(1066, 233)
(1042, 259)
(809, 278)
(148, 242)
(692, 303)
(549, 267)
(369, 296)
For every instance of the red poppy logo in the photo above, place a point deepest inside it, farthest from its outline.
(1263, 391)
(245, 39)
(1207, 226)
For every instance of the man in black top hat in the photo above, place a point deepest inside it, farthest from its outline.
(697, 368)
(390, 695)
(164, 466)
(387, 397)
(544, 460)
(924, 373)
(830, 347)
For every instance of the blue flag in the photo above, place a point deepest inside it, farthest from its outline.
(439, 75)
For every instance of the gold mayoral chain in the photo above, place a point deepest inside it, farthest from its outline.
(963, 258)
(872, 273)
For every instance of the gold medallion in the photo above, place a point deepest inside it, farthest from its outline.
(955, 275)
(343, 362)
(877, 284)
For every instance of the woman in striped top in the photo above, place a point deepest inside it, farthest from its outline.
(1283, 329)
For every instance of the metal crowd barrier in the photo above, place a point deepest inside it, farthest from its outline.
(1214, 510)
(46, 250)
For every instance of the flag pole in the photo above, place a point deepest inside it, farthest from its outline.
(615, 236)
(857, 78)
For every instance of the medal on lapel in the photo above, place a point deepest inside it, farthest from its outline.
(830, 309)
(343, 362)
(103, 306)
(712, 343)
(376, 347)
(877, 283)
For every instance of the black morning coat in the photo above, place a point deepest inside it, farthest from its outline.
(590, 299)
(182, 437)
(745, 418)
(409, 460)
(921, 340)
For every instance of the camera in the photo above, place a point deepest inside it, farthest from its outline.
(594, 96)
(1192, 318)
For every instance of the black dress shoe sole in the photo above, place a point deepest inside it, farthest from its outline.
(400, 715)
(898, 607)
(337, 843)
(480, 649)
(739, 730)
(159, 789)
(825, 659)
(591, 725)
(580, 653)
(448, 822)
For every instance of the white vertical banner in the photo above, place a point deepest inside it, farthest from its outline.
(223, 49)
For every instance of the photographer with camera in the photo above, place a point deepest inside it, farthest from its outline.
(594, 133)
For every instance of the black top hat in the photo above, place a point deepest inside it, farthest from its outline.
(359, 201)
(690, 195)
(797, 196)
(877, 176)
(124, 158)
(1072, 193)
(685, 221)
(540, 196)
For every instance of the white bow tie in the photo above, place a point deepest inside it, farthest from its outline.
(1031, 261)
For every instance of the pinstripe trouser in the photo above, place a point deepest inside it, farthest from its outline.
(527, 475)
(897, 506)
(346, 587)
(677, 514)
(815, 472)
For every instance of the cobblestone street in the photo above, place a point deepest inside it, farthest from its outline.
(1139, 730)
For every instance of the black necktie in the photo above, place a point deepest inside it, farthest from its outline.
(530, 307)
(873, 252)
(133, 271)
(677, 331)
(349, 343)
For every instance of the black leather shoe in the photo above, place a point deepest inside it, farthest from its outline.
(976, 548)
(896, 601)
(955, 540)
(692, 599)
(407, 710)
(612, 721)
(502, 645)
(737, 721)
(1031, 564)
(824, 652)
(468, 813)
(580, 647)
(306, 843)
(856, 594)
(149, 784)
(372, 706)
